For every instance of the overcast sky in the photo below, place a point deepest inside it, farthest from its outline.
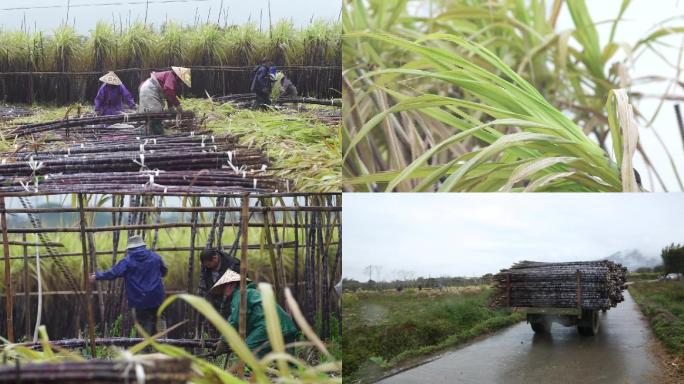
(474, 234)
(12, 13)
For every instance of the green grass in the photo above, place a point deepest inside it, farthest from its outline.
(303, 150)
(384, 329)
(319, 365)
(663, 304)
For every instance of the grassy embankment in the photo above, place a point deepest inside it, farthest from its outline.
(301, 149)
(384, 329)
(662, 303)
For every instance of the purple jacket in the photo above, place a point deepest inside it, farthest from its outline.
(109, 99)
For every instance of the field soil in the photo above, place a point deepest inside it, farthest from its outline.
(622, 352)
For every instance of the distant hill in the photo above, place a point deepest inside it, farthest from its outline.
(634, 259)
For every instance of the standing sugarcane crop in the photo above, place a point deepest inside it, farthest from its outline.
(111, 94)
(262, 83)
(160, 86)
(142, 270)
(257, 337)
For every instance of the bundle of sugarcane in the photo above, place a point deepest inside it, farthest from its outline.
(133, 161)
(127, 147)
(28, 129)
(255, 180)
(588, 284)
(155, 368)
(235, 97)
(120, 342)
(309, 100)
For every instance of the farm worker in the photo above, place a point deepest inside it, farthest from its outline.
(262, 83)
(257, 336)
(111, 94)
(161, 86)
(287, 88)
(142, 270)
(214, 264)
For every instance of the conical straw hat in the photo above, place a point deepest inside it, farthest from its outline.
(184, 74)
(228, 277)
(111, 78)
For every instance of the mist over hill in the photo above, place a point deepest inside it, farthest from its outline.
(634, 259)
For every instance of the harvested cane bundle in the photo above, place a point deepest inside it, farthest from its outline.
(587, 284)
(28, 129)
(153, 368)
(121, 342)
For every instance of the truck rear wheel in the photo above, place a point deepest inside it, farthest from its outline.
(540, 324)
(589, 324)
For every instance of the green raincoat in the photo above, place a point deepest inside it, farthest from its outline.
(256, 322)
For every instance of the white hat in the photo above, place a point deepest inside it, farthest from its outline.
(135, 242)
(229, 277)
(111, 78)
(184, 74)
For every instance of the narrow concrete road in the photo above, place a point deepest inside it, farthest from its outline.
(619, 354)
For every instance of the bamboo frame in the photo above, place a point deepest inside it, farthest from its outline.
(86, 283)
(244, 218)
(313, 221)
(8, 277)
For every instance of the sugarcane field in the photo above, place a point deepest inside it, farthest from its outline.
(170, 191)
(506, 288)
(513, 96)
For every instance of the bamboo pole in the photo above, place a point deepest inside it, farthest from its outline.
(272, 255)
(27, 289)
(86, 283)
(289, 244)
(132, 227)
(296, 251)
(122, 209)
(191, 257)
(98, 286)
(8, 277)
(244, 219)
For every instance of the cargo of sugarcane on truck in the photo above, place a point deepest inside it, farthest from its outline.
(570, 293)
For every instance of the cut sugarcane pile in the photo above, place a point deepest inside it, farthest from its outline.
(126, 163)
(536, 284)
(156, 369)
(121, 342)
(100, 122)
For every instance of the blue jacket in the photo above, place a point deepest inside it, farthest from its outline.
(142, 271)
(261, 83)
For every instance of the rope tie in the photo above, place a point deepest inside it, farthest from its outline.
(132, 363)
(141, 163)
(35, 166)
(152, 184)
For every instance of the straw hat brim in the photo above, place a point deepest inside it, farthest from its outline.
(229, 276)
(111, 78)
(184, 74)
